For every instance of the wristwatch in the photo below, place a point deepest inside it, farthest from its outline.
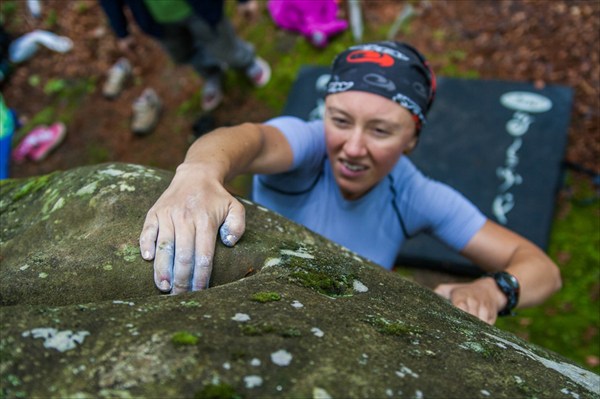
(509, 285)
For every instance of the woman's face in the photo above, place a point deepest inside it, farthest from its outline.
(366, 134)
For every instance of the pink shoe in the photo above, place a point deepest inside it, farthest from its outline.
(40, 142)
(22, 151)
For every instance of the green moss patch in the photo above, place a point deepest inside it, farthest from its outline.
(265, 296)
(327, 281)
(184, 338)
(217, 391)
(31, 186)
(397, 328)
(257, 329)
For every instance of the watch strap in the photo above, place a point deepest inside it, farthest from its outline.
(509, 285)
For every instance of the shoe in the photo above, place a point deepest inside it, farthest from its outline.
(35, 8)
(117, 75)
(259, 72)
(146, 112)
(212, 93)
(24, 47)
(40, 142)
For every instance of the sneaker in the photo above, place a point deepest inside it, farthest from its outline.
(212, 93)
(146, 112)
(40, 142)
(259, 72)
(117, 75)
(24, 47)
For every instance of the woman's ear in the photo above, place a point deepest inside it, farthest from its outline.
(411, 145)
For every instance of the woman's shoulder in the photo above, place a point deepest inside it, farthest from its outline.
(405, 171)
(287, 122)
(306, 139)
(410, 182)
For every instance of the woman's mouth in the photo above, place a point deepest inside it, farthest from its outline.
(351, 169)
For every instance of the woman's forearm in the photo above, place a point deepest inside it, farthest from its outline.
(228, 152)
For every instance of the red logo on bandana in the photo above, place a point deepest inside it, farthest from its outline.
(383, 60)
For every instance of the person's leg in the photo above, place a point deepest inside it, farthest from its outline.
(237, 53)
(229, 48)
(204, 63)
(216, 49)
(218, 46)
(177, 40)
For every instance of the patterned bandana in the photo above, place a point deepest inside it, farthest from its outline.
(393, 70)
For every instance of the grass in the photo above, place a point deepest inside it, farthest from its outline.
(569, 322)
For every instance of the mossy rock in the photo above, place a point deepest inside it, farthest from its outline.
(288, 314)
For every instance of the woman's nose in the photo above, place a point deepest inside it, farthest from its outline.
(355, 144)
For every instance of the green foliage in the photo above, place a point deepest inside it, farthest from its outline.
(68, 95)
(34, 80)
(190, 107)
(82, 7)
(451, 62)
(54, 86)
(52, 18)
(288, 52)
(8, 10)
(569, 322)
(97, 153)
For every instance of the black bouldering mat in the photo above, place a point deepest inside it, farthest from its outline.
(500, 143)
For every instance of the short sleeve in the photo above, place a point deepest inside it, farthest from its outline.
(433, 207)
(307, 141)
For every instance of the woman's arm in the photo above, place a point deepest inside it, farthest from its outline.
(180, 229)
(495, 248)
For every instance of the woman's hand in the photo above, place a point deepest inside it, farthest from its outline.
(180, 230)
(482, 298)
(495, 248)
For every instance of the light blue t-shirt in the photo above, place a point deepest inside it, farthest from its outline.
(376, 225)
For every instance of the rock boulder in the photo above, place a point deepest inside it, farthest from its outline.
(288, 314)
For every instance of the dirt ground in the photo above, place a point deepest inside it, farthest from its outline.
(547, 42)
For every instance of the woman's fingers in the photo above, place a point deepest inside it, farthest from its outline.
(204, 241)
(181, 240)
(164, 254)
(470, 299)
(148, 236)
(183, 259)
(234, 225)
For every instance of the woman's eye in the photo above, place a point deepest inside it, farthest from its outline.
(340, 121)
(381, 132)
